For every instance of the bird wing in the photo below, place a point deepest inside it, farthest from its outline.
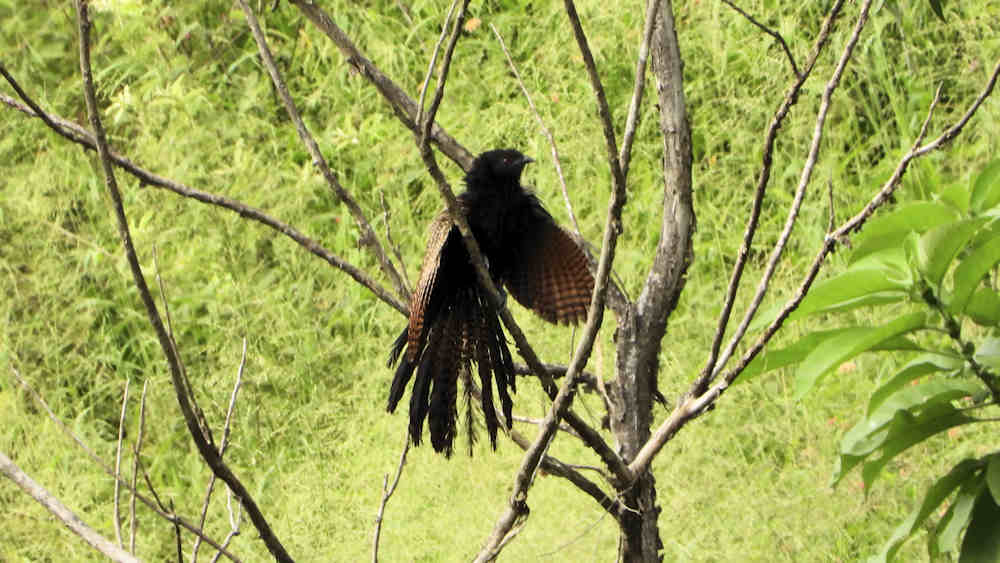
(549, 273)
(433, 276)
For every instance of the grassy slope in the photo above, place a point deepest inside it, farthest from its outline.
(185, 97)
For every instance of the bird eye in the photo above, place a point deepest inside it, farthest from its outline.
(506, 160)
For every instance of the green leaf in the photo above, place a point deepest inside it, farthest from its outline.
(859, 439)
(982, 538)
(876, 279)
(885, 231)
(984, 307)
(850, 290)
(988, 353)
(956, 194)
(986, 188)
(993, 477)
(906, 430)
(939, 246)
(769, 360)
(936, 494)
(842, 347)
(918, 367)
(944, 538)
(971, 270)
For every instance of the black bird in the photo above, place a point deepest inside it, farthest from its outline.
(452, 321)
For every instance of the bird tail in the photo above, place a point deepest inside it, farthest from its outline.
(467, 332)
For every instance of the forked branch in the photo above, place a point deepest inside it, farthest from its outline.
(63, 513)
(402, 105)
(368, 237)
(207, 451)
(109, 471)
(694, 406)
(517, 507)
(763, 180)
(592, 438)
(800, 190)
(79, 135)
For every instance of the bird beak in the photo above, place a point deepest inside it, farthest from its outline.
(526, 160)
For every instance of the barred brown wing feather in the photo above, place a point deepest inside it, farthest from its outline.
(420, 305)
(551, 274)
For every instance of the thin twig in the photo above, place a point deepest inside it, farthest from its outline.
(430, 66)
(545, 131)
(800, 190)
(222, 445)
(617, 177)
(63, 513)
(402, 105)
(777, 36)
(763, 179)
(109, 470)
(234, 522)
(367, 234)
(207, 451)
(553, 466)
(591, 437)
(202, 421)
(78, 135)
(539, 421)
(832, 219)
(617, 300)
(632, 121)
(517, 508)
(693, 406)
(387, 220)
(118, 465)
(387, 491)
(136, 453)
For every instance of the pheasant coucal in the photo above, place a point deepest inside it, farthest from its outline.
(453, 324)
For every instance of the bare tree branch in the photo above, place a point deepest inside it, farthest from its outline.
(387, 221)
(617, 177)
(208, 452)
(693, 406)
(222, 445)
(118, 465)
(137, 452)
(402, 105)
(517, 508)
(800, 190)
(109, 470)
(591, 437)
(763, 179)
(387, 491)
(545, 131)
(234, 523)
(444, 73)
(632, 121)
(368, 237)
(617, 300)
(777, 36)
(553, 466)
(78, 135)
(64, 514)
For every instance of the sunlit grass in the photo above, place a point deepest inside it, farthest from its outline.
(186, 98)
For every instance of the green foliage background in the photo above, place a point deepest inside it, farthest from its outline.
(185, 97)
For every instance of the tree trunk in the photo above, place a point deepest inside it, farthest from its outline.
(632, 397)
(641, 331)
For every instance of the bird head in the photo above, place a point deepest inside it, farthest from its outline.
(496, 168)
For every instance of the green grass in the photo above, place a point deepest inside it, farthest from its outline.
(184, 96)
